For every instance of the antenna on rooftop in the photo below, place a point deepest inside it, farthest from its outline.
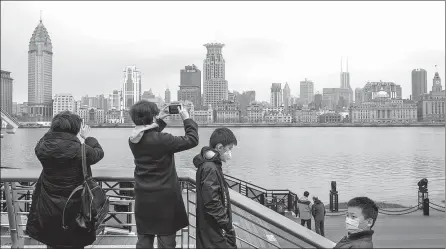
(40, 15)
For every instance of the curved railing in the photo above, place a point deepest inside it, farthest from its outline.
(256, 226)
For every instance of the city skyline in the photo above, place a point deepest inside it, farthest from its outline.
(252, 62)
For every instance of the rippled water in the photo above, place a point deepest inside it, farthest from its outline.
(382, 163)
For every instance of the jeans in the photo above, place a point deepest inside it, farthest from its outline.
(319, 224)
(164, 241)
(302, 222)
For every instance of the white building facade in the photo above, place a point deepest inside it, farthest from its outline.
(63, 102)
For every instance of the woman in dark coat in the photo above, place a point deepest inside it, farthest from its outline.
(59, 152)
(159, 206)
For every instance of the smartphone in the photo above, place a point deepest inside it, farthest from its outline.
(174, 109)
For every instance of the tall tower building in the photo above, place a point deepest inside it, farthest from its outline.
(306, 91)
(419, 83)
(276, 95)
(167, 96)
(131, 87)
(190, 86)
(436, 86)
(345, 82)
(215, 87)
(40, 74)
(286, 96)
(6, 92)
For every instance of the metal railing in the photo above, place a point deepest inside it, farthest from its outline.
(256, 225)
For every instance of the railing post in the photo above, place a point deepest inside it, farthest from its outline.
(426, 207)
(17, 217)
(11, 216)
(290, 202)
(262, 199)
(334, 202)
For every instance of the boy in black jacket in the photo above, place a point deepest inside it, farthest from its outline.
(213, 208)
(361, 216)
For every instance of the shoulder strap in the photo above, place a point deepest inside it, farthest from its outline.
(66, 204)
(84, 161)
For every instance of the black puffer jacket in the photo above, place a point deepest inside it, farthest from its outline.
(213, 208)
(61, 159)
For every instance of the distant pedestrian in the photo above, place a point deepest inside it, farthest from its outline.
(318, 211)
(304, 209)
(361, 217)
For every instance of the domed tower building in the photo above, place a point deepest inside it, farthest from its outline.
(40, 75)
(431, 107)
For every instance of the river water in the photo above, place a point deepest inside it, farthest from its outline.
(382, 163)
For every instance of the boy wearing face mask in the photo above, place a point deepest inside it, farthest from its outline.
(213, 207)
(362, 213)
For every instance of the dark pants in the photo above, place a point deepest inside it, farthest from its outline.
(319, 224)
(164, 241)
(302, 222)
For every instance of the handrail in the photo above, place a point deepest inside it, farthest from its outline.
(281, 222)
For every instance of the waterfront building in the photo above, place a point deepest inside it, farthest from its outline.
(276, 94)
(190, 86)
(131, 86)
(275, 117)
(215, 86)
(255, 112)
(306, 91)
(115, 99)
(149, 96)
(419, 83)
(40, 75)
(6, 92)
(371, 90)
(330, 118)
(113, 116)
(91, 115)
(305, 116)
(63, 102)
(167, 96)
(203, 116)
(227, 112)
(431, 107)
(384, 109)
(244, 99)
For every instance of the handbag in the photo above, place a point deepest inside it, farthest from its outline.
(94, 202)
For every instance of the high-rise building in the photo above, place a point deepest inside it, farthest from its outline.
(318, 101)
(215, 86)
(63, 102)
(115, 99)
(276, 95)
(40, 74)
(286, 96)
(149, 96)
(345, 83)
(359, 95)
(431, 107)
(167, 96)
(419, 83)
(131, 87)
(6, 92)
(306, 91)
(190, 86)
(371, 89)
(335, 98)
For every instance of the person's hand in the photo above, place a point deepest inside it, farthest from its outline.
(183, 113)
(164, 113)
(85, 131)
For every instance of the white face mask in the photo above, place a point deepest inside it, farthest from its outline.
(228, 155)
(352, 225)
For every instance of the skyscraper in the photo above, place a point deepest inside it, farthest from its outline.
(215, 87)
(131, 87)
(190, 86)
(276, 95)
(306, 91)
(167, 96)
(40, 74)
(419, 83)
(345, 83)
(6, 92)
(286, 96)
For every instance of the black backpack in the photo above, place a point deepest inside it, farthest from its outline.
(94, 202)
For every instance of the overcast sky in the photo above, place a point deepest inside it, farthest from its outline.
(266, 42)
